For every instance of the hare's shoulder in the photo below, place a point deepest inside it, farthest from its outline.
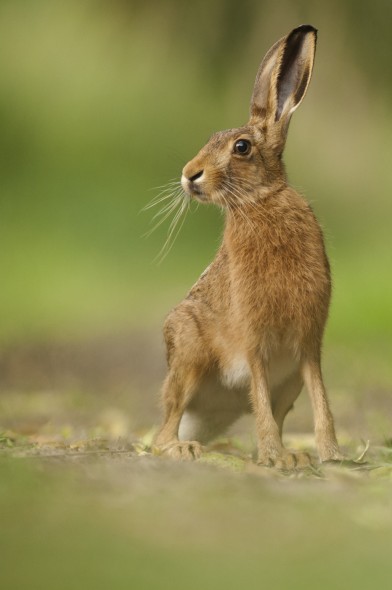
(212, 281)
(190, 325)
(206, 300)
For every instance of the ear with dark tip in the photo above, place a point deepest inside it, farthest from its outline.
(283, 78)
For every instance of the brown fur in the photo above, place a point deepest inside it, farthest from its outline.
(249, 333)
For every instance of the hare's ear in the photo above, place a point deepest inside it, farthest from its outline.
(283, 79)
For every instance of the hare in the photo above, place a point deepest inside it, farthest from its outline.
(248, 335)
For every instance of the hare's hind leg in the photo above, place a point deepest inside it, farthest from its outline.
(213, 409)
(284, 396)
(205, 425)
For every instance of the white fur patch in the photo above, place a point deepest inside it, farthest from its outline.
(237, 373)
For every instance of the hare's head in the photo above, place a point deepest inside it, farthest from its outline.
(241, 164)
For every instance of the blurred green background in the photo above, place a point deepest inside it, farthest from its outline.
(100, 102)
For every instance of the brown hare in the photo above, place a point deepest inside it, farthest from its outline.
(249, 333)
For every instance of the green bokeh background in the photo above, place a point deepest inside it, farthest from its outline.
(102, 101)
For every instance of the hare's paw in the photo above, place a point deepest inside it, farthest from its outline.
(184, 450)
(332, 458)
(286, 460)
(329, 452)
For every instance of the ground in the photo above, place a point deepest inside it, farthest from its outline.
(87, 502)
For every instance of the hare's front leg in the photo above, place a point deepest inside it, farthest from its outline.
(187, 358)
(177, 392)
(327, 444)
(271, 451)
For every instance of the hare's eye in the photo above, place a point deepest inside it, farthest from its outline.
(242, 147)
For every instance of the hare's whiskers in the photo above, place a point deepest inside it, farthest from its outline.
(172, 182)
(162, 196)
(172, 200)
(167, 246)
(177, 198)
(173, 206)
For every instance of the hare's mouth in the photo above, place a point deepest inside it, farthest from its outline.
(192, 186)
(195, 190)
(198, 194)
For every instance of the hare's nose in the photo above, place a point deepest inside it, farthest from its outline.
(192, 183)
(196, 176)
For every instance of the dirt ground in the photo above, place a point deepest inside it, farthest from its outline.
(87, 502)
